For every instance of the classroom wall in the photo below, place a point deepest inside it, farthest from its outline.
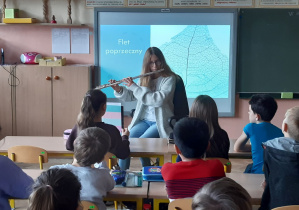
(18, 38)
(38, 38)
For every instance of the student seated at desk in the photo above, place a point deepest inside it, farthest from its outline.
(56, 189)
(90, 147)
(205, 108)
(224, 194)
(281, 165)
(185, 178)
(262, 108)
(93, 109)
(14, 183)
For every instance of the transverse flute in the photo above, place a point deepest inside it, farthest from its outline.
(121, 81)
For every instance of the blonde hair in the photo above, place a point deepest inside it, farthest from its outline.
(292, 120)
(91, 145)
(145, 81)
(222, 194)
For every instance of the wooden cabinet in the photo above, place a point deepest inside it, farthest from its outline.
(6, 97)
(48, 99)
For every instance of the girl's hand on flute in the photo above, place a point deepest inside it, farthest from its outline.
(128, 81)
(116, 87)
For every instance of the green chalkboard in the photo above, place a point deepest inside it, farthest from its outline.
(268, 51)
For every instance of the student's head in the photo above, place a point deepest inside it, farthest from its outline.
(262, 107)
(205, 108)
(191, 136)
(154, 60)
(91, 145)
(224, 194)
(290, 125)
(55, 189)
(93, 104)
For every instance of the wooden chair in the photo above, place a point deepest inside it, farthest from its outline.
(28, 154)
(226, 163)
(87, 205)
(180, 204)
(292, 207)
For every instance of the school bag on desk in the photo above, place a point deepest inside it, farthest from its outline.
(152, 173)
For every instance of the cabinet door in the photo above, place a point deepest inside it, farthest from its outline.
(6, 98)
(70, 84)
(34, 101)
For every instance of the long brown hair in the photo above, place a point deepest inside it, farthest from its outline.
(144, 81)
(205, 108)
(91, 104)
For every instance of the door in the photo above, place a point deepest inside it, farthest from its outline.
(70, 84)
(34, 101)
(6, 99)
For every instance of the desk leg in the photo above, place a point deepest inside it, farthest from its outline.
(12, 203)
(158, 201)
(173, 158)
(161, 161)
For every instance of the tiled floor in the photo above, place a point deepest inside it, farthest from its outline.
(238, 165)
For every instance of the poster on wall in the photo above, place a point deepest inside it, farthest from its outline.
(146, 3)
(104, 3)
(278, 2)
(233, 3)
(191, 3)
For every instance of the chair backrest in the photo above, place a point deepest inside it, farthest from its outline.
(28, 154)
(110, 159)
(292, 207)
(226, 163)
(180, 204)
(87, 205)
(114, 115)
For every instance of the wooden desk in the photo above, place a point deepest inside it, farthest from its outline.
(33, 173)
(136, 194)
(251, 182)
(149, 147)
(55, 146)
(231, 153)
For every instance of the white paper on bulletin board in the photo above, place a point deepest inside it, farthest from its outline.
(80, 40)
(61, 40)
(234, 3)
(190, 3)
(104, 3)
(146, 3)
(278, 2)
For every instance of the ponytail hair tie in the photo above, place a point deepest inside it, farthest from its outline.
(88, 95)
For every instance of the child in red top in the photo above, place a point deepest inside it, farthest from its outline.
(185, 178)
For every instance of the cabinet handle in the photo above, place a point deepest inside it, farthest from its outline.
(57, 77)
(48, 78)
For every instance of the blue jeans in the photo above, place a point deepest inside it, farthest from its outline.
(143, 129)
